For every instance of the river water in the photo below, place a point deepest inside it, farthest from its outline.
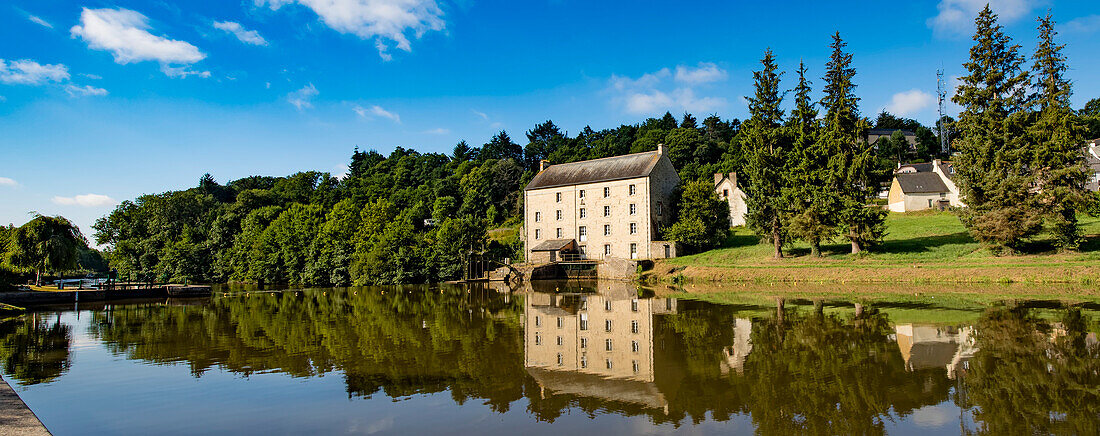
(599, 358)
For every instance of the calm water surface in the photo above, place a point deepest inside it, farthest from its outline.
(596, 359)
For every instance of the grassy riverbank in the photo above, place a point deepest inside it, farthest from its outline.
(931, 247)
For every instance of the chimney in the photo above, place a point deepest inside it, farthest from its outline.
(733, 179)
(660, 149)
(543, 164)
(718, 178)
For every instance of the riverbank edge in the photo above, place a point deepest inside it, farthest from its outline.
(1082, 273)
(16, 418)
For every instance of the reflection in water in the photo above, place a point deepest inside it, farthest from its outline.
(605, 350)
(34, 349)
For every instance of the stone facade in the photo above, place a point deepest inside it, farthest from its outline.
(726, 187)
(619, 217)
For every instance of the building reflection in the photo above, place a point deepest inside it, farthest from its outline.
(595, 344)
(931, 346)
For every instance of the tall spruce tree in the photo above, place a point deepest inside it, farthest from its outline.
(1058, 162)
(766, 141)
(812, 203)
(854, 173)
(994, 162)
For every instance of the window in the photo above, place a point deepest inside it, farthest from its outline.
(538, 339)
(634, 346)
(582, 233)
(633, 251)
(633, 189)
(725, 193)
(607, 325)
(633, 228)
(561, 361)
(559, 322)
(929, 202)
(660, 208)
(634, 363)
(943, 195)
(608, 363)
(538, 321)
(584, 321)
(538, 216)
(580, 194)
(538, 234)
(584, 362)
(557, 197)
(557, 214)
(583, 213)
(607, 305)
(558, 233)
(633, 209)
(607, 229)
(607, 344)
(584, 342)
(607, 211)
(559, 341)
(634, 305)
(633, 328)
(606, 192)
(607, 249)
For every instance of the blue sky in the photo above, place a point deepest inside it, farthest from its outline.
(104, 101)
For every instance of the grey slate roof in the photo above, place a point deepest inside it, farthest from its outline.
(919, 167)
(888, 132)
(597, 170)
(920, 183)
(552, 245)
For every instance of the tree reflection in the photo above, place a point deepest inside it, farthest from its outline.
(34, 350)
(1033, 376)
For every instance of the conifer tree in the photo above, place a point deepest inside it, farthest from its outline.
(766, 142)
(993, 165)
(812, 203)
(854, 173)
(1058, 162)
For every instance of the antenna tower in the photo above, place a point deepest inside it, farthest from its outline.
(941, 91)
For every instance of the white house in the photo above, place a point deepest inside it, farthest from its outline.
(924, 186)
(726, 187)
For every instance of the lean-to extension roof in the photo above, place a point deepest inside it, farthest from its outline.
(920, 183)
(553, 245)
(597, 170)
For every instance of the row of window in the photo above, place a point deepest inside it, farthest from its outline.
(584, 324)
(583, 213)
(582, 232)
(631, 190)
(608, 362)
(609, 345)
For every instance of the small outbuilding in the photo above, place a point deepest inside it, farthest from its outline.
(553, 250)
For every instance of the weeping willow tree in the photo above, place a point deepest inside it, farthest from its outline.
(46, 244)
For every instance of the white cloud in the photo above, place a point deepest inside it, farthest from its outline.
(377, 111)
(86, 200)
(125, 34)
(437, 131)
(246, 36)
(1086, 24)
(481, 114)
(956, 17)
(386, 21)
(40, 21)
(933, 416)
(302, 98)
(706, 72)
(91, 76)
(84, 91)
(909, 102)
(664, 90)
(28, 72)
(5, 181)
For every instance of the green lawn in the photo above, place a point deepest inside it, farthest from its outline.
(925, 238)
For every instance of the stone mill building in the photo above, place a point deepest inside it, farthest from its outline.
(614, 207)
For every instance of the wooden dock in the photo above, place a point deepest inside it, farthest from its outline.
(16, 418)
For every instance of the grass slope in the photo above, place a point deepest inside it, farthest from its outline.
(919, 247)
